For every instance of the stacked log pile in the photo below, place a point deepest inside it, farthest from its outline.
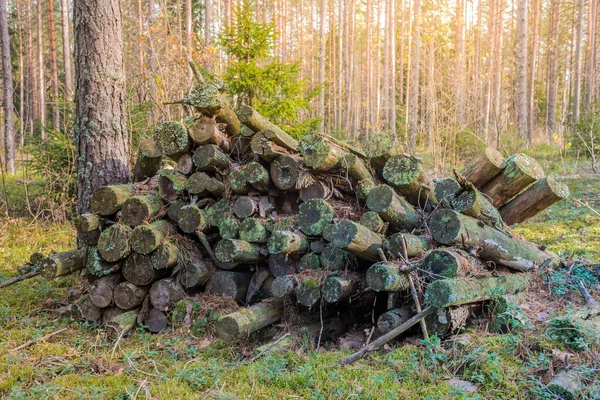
(229, 204)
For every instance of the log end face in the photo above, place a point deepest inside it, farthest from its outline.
(171, 138)
(314, 215)
(343, 233)
(445, 226)
(380, 198)
(401, 170)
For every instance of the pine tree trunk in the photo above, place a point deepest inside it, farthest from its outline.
(521, 72)
(53, 66)
(413, 91)
(7, 92)
(41, 69)
(577, 62)
(29, 91)
(66, 39)
(552, 69)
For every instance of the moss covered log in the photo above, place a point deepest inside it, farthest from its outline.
(101, 290)
(138, 270)
(83, 309)
(165, 256)
(287, 242)
(96, 266)
(483, 168)
(121, 324)
(357, 239)
(363, 188)
(393, 318)
(107, 200)
(237, 181)
(171, 184)
(139, 209)
(337, 289)
(373, 221)
(148, 160)
(309, 262)
(451, 228)
(202, 184)
(174, 209)
(392, 208)
(253, 230)
(196, 274)
(146, 238)
(252, 119)
(450, 263)
(192, 219)
(285, 171)
(539, 196)
(228, 283)
(245, 321)
(314, 215)
(204, 130)
(405, 244)
(284, 286)
(519, 171)
(244, 207)
(216, 212)
(445, 190)
(165, 293)
(380, 149)
(334, 259)
(308, 292)
(265, 148)
(127, 295)
(407, 176)
(172, 139)
(353, 166)
(386, 277)
(229, 228)
(61, 264)
(113, 244)
(209, 99)
(257, 176)
(237, 251)
(456, 291)
(473, 203)
(319, 153)
(209, 157)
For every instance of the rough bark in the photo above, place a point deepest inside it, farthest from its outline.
(314, 215)
(245, 321)
(100, 126)
(521, 71)
(392, 208)
(88, 228)
(7, 92)
(66, 45)
(483, 168)
(53, 66)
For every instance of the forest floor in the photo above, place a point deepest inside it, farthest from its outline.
(81, 363)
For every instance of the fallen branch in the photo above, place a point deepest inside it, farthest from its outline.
(19, 278)
(33, 341)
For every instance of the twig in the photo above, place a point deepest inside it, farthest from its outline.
(269, 347)
(206, 246)
(19, 278)
(415, 296)
(32, 341)
(581, 203)
(589, 300)
(196, 72)
(381, 254)
(387, 337)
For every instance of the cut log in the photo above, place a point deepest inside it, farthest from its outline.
(328, 232)
(229, 228)
(320, 153)
(185, 164)
(156, 321)
(451, 228)
(534, 200)
(148, 160)
(228, 283)
(316, 190)
(393, 318)
(357, 239)
(257, 176)
(450, 263)
(483, 168)
(453, 292)
(386, 276)
(217, 212)
(196, 274)
(82, 309)
(314, 215)
(245, 321)
(122, 324)
(101, 290)
(308, 293)
(373, 221)
(140, 209)
(210, 158)
(146, 238)
(237, 251)
(284, 286)
(202, 184)
(337, 289)
(405, 244)
(473, 203)
(86, 223)
(164, 294)
(164, 257)
(61, 264)
(253, 230)
(174, 209)
(109, 313)
(283, 264)
(96, 266)
(352, 165)
(379, 150)
(172, 139)
(334, 259)
(566, 385)
(127, 295)
(245, 207)
(113, 243)
(287, 242)
(285, 171)
(260, 278)
(192, 219)
(138, 270)
(392, 208)
(519, 171)
(204, 130)
(107, 200)
(445, 190)
(407, 176)
(363, 188)
(309, 262)
(209, 100)
(502, 304)
(446, 321)
(237, 181)
(252, 119)
(171, 184)
(265, 148)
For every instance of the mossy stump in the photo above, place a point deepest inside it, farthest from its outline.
(337, 289)
(445, 190)
(174, 209)
(566, 385)
(315, 190)
(386, 277)
(121, 324)
(96, 266)
(113, 244)
(83, 309)
(244, 207)
(266, 149)
(284, 286)
(107, 200)
(147, 162)
(352, 165)
(392, 208)
(237, 181)
(146, 238)
(204, 130)
(208, 99)
(245, 321)
(229, 228)
(138, 270)
(473, 203)
(139, 209)
(165, 256)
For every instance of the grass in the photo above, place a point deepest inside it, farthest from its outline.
(82, 363)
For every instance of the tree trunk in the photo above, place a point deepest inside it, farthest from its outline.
(66, 39)
(248, 320)
(552, 69)
(357, 239)
(53, 66)
(100, 128)
(413, 91)
(322, 45)
(7, 92)
(21, 79)
(30, 91)
(577, 62)
(42, 70)
(521, 72)
(459, 48)
(533, 66)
